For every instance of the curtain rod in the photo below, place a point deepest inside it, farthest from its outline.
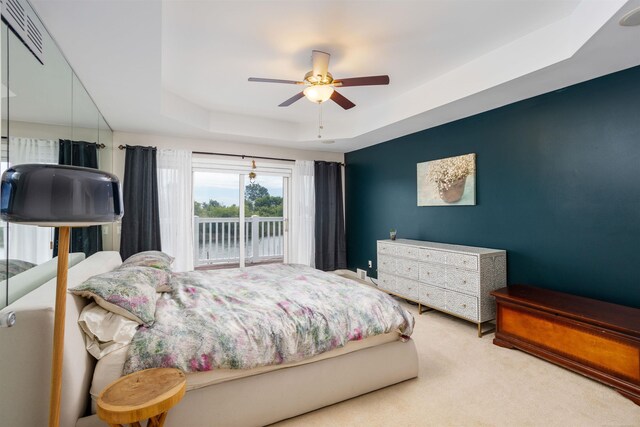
(246, 156)
(122, 147)
(97, 145)
(242, 156)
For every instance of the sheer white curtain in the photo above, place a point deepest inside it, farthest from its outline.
(29, 242)
(31, 150)
(175, 202)
(303, 212)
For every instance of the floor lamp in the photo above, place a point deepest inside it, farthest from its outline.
(63, 197)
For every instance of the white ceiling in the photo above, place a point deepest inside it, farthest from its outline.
(181, 67)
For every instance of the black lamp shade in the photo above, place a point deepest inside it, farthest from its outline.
(57, 195)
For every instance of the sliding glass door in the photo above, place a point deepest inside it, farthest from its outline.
(239, 220)
(216, 223)
(265, 226)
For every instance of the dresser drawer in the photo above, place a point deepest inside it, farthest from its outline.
(386, 264)
(387, 282)
(407, 288)
(469, 262)
(462, 280)
(399, 287)
(434, 274)
(432, 255)
(432, 296)
(387, 249)
(407, 268)
(408, 252)
(463, 305)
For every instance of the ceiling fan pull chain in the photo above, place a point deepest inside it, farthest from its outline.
(320, 127)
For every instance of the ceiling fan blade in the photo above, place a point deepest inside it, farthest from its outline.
(362, 81)
(289, 82)
(291, 100)
(341, 100)
(320, 63)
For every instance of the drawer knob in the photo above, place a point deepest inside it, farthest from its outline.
(464, 305)
(464, 281)
(464, 261)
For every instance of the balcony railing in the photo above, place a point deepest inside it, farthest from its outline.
(217, 240)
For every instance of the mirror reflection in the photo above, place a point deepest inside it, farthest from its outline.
(47, 117)
(4, 152)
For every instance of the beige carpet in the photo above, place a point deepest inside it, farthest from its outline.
(468, 381)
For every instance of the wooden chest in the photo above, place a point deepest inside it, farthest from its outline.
(594, 338)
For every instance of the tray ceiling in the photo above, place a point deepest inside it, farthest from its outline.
(181, 67)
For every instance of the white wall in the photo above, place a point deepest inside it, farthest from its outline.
(163, 141)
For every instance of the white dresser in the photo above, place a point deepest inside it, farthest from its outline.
(450, 278)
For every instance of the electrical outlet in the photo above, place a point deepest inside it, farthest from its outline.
(362, 274)
(370, 264)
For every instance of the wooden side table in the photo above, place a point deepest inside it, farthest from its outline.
(147, 394)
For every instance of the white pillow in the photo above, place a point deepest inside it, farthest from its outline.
(104, 330)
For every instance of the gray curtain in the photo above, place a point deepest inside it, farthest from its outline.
(80, 153)
(141, 221)
(331, 246)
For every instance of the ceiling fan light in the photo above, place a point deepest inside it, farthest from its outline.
(318, 93)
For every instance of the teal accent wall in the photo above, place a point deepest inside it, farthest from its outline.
(557, 186)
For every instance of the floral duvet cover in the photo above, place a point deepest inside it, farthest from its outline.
(257, 316)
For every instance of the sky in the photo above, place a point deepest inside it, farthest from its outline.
(224, 187)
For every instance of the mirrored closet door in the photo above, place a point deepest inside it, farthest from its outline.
(47, 117)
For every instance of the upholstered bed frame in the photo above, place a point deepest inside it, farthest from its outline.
(25, 357)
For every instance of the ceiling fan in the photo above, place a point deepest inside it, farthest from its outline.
(320, 84)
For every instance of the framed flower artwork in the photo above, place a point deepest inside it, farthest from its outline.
(447, 182)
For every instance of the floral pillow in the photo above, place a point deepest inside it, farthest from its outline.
(155, 259)
(129, 292)
(161, 278)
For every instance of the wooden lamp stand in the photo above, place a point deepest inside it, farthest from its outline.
(64, 197)
(58, 327)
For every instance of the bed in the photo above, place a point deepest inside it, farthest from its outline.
(256, 396)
